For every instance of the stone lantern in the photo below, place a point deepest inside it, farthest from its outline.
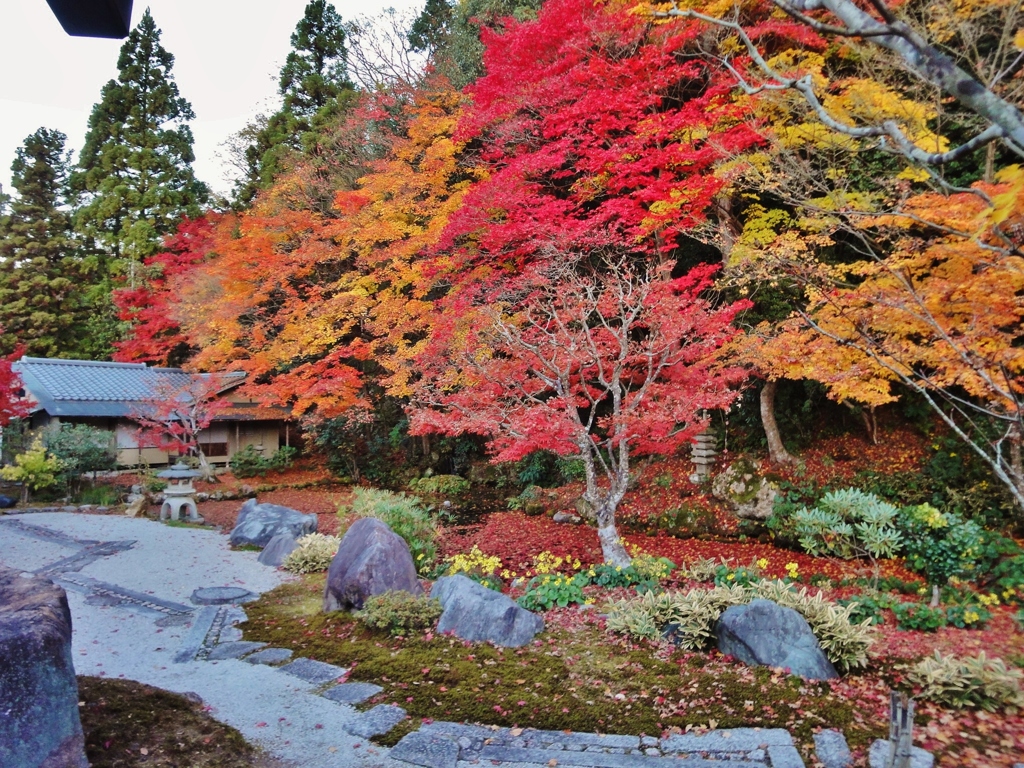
(179, 492)
(703, 456)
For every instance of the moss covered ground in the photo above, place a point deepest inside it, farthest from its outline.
(129, 724)
(574, 676)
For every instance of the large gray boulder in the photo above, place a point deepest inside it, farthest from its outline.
(371, 559)
(39, 726)
(740, 485)
(474, 612)
(763, 632)
(257, 524)
(277, 549)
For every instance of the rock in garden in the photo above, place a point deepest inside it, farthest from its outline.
(751, 496)
(257, 524)
(39, 725)
(277, 549)
(6, 502)
(567, 517)
(372, 559)
(763, 632)
(474, 612)
(878, 756)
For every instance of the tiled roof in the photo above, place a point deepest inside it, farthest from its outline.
(91, 388)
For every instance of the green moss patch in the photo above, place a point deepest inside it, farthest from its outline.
(575, 676)
(131, 724)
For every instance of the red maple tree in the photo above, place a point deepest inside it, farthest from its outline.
(605, 364)
(13, 404)
(179, 407)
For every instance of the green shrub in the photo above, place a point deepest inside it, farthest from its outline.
(847, 524)
(1001, 567)
(968, 682)
(404, 515)
(744, 576)
(548, 590)
(968, 616)
(249, 462)
(35, 469)
(695, 612)
(870, 606)
(313, 553)
(80, 448)
(919, 617)
(440, 485)
(940, 545)
(103, 495)
(651, 568)
(399, 612)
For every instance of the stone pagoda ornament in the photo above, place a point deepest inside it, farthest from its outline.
(179, 492)
(702, 454)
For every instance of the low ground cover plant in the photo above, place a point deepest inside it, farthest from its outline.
(971, 681)
(313, 553)
(399, 612)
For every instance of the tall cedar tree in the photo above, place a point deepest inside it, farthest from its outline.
(135, 169)
(314, 86)
(450, 33)
(41, 301)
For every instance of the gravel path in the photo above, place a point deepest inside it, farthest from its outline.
(116, 635)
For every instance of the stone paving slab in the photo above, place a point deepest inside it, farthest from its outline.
(376, 721)
(352, 693)
(420, 748)
(831, 749)
(728, 740)
(234, 650)
(270, 656)
(316, 672)
(785, 757)
(603, 759)
(196, 636)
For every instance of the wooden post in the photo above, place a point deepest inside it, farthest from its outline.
(901, 730)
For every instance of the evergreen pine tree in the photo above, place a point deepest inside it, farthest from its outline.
(42, 303)
(315, 89)
(135, 170)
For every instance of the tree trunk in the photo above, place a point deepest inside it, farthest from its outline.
(777, 453)
(1017, 461)
(867, 414)
(611, 544)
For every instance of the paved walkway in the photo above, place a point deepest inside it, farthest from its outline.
(132, 586)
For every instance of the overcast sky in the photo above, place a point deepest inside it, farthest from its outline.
(227, 55)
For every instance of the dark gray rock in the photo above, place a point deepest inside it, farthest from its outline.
(40, 725)
(763, 632)
(376, 721)
(277, 549)
(474, 612)
(878, 755)
(221, 595)
(312, 671)
(426, 750)
(371, 560)
(234, 650)
(6, 502)
(270, 656)
(352, 693)
(831, 749)
(257, 524)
